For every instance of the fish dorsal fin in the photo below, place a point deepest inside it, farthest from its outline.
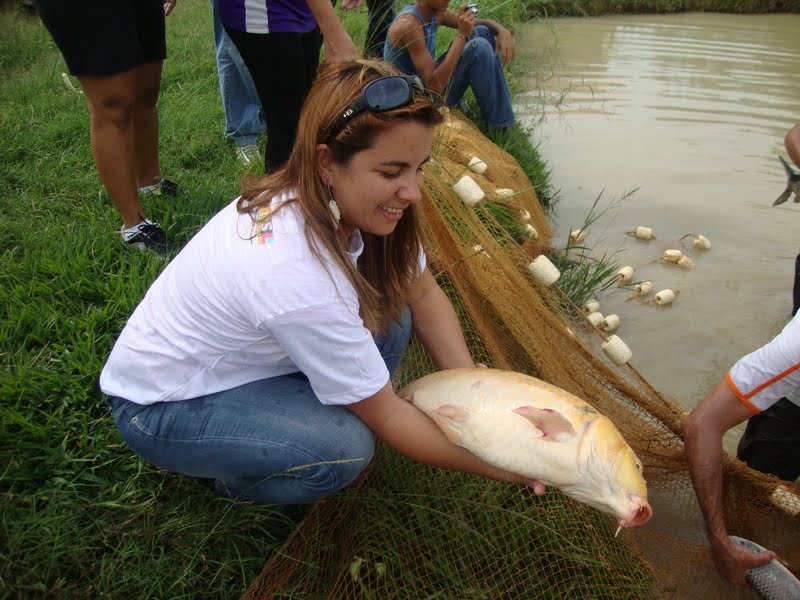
(550, 422)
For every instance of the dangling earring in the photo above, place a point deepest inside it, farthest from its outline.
(334, 208)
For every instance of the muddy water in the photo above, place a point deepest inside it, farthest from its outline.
(691, 109)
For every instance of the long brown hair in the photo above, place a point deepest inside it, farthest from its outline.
(389, 263)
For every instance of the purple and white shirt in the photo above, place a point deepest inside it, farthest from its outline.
(267, 16)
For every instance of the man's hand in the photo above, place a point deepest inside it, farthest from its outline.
(169, 6)
(505, 48)
(466, 20)
(733, 561)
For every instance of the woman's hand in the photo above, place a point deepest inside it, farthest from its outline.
(339, 48)
(169, 6)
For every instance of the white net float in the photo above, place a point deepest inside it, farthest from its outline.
(643, 288)
(701, 242)
(672, 255)
(468, 191)
(617, 350)
(624, 275)
(610, 323)
(595, 318)
(524, 216)
(590, 306)
(531, 232)
(477, 165)
(664, 297)
(544, 271)
(684, 262)
(577, 236)
(785, 500)
(505, 193)
(643, 233)
(478, 249)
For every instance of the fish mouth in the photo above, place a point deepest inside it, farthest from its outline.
(639, 514)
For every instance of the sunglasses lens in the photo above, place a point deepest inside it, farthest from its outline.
(387, 93)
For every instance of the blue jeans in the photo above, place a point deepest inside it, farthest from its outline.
(269, 441)
(243, 119)
(480, 68)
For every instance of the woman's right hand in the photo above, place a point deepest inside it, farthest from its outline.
(466, 20)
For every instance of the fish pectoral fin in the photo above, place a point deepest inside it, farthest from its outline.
(449, 418)
(783, 197)
(550, 422)
(453, 413)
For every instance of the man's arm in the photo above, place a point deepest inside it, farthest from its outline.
(702, 432)
(504, 47)
(406, 32)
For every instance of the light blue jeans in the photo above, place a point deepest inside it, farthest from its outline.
(269, 441)
(480, 69)
(243, 119)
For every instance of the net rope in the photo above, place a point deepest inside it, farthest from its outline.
(407, 530)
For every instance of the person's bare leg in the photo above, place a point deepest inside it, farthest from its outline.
(111, 108)
(145, 123)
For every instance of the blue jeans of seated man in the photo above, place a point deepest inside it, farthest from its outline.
(480, 68)
(243, 119)
(269, 441)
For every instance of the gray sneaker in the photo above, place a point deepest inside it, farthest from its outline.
(248, 154)
(148, 236)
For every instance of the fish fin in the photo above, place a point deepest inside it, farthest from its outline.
(453, 413)
(786, 166)
(550, 422)
(783, 197)
(449, 419)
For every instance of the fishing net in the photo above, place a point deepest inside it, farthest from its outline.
(406, 530)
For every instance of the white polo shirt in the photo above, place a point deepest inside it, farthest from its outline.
(246, 300)
(765, 376)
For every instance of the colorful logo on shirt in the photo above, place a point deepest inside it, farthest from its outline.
(262, 225)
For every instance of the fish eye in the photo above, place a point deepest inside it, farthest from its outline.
(638, 466)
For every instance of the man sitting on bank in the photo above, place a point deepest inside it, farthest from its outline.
(475, 58)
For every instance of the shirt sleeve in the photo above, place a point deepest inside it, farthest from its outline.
(329, 343)
(765, 376)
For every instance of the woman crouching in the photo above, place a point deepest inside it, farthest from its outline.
(262, 356)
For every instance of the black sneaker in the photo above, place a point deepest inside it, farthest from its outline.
(165, 187)
(148, 236)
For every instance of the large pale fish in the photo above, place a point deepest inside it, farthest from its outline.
(527, 426)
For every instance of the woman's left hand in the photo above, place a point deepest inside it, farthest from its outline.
(505, 46)
(169, 6)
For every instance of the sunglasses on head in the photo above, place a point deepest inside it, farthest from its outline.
(381, 94)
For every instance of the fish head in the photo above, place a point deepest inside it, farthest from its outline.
(611, 477)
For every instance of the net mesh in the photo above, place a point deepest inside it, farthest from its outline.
(407, 530)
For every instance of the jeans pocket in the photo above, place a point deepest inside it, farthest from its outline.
(129, 415)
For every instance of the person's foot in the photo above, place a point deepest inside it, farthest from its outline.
(165, 187)
(248, 154)
(147, 236)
